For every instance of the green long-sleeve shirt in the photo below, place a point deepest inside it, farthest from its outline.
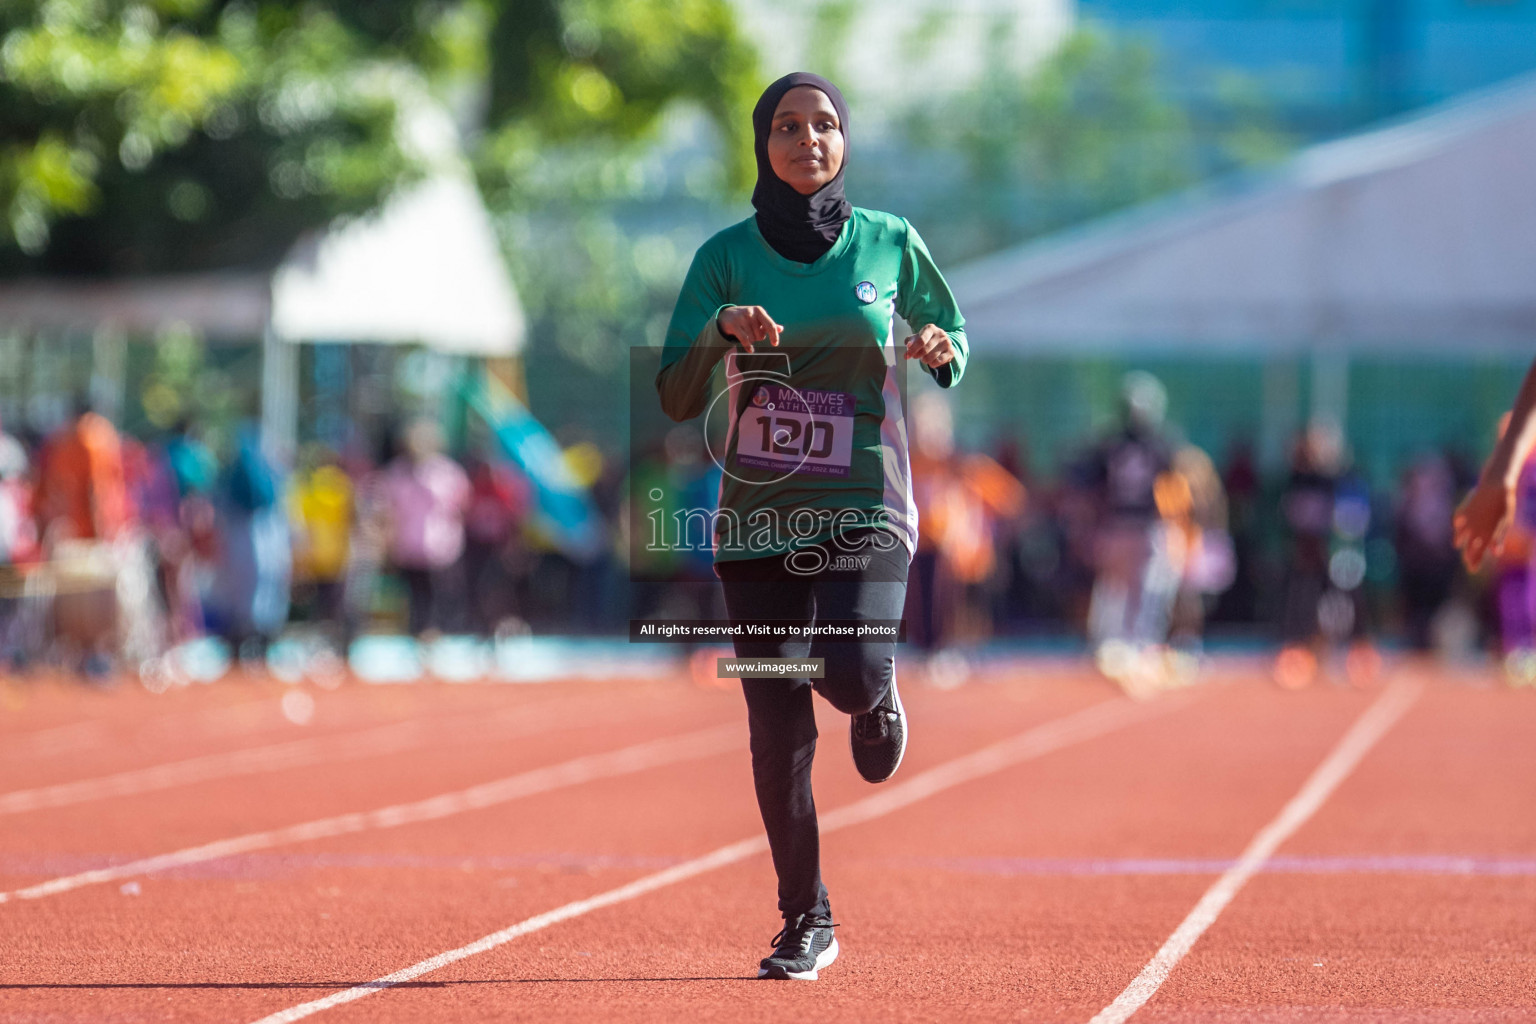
(815, 440)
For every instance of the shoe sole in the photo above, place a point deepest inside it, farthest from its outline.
(780, 974)
(901, 752)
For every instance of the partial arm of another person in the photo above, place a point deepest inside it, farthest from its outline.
(1484, 516)
(923, 299)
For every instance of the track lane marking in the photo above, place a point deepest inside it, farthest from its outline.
(1089, 723)
(212, 723)
(387, 739)
(1462, 864)
(651, 754)
(58, 739)
(1346, 755)
(393, 738)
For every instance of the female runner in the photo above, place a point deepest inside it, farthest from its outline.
(816, 524)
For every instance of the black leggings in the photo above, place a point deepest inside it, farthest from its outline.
(780, 715)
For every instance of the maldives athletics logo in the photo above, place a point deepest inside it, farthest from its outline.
(866, 292)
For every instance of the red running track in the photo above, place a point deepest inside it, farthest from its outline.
(1022, 882)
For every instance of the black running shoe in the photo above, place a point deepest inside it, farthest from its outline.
(879, 738)
(803, 948)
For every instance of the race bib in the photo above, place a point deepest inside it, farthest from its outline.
(794, 431)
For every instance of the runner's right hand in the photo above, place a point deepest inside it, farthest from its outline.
(1481, 521)
(747, 325)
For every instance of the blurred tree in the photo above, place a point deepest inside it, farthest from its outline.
(184, 133)
(598, 229)
(587, 70)
(152, 135)
(1090, 130)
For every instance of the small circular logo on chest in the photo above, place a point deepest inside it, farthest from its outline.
(865, 292)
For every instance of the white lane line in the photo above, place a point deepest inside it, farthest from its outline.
(60, 739)
(1042, 739)
(1346, 755)
(386, 739)
(261, 714)
(652, 754)
(213, 722)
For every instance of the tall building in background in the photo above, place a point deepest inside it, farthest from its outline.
(1327, 66)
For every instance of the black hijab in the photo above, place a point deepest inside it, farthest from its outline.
(799, 227)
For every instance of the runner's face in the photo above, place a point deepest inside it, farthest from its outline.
(805, 141)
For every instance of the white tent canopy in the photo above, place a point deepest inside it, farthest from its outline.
(1419, 236)
(425, 269)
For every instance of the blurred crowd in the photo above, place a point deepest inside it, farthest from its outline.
(114, 549)
(1147, 547)
(1144, 545)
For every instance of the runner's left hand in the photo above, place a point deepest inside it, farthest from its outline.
(932, 346)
